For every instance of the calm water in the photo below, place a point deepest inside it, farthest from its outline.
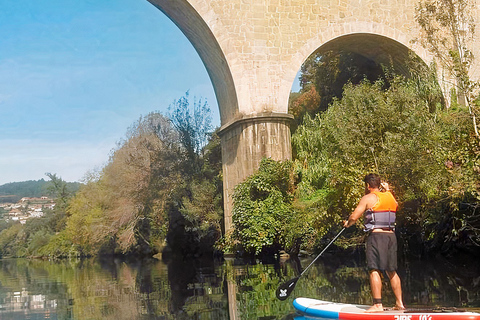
(212, 289)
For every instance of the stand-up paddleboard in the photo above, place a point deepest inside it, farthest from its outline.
(343, 311)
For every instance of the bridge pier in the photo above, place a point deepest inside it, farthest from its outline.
(245, 142)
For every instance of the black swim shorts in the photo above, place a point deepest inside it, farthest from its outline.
(381, 251)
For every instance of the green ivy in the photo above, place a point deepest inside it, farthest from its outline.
(263, 215)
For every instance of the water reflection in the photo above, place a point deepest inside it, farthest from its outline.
(212, 289)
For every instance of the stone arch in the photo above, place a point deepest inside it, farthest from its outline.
(195, 28)
(355, 34)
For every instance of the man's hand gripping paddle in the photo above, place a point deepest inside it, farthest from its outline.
(284, 290)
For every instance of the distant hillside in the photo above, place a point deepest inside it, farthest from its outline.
(14, 191)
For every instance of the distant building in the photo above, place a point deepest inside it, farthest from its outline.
(36, 206)
(39, 200)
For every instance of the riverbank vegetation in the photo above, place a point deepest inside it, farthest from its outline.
(162, 190)
(162, 184)
(354, 116)
(428, 153)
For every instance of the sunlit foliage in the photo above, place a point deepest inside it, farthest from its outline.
(447, 31)
(264, 217)
(159, 185)
(119, 210)
(323, 76)
(29, 239)
(394, 133)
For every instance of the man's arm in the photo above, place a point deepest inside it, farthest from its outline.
(359, 210)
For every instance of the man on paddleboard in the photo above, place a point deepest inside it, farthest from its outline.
(381, 247)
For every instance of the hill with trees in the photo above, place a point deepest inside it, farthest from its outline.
(14, 191)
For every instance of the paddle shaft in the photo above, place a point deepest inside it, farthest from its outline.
(284, 290)
(324, 249)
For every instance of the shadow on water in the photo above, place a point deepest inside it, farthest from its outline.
(215, 289)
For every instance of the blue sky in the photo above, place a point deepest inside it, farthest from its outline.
(75, 74)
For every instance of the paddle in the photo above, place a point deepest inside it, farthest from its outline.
(284, 290)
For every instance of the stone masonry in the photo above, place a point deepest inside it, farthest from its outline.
(253, 49)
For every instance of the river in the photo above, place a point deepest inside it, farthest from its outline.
(211, 288)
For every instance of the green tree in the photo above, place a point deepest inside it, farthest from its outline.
(370, 130)
(448, 28)
(195, 208)
(203, 209)
(59, 190)
(12, 241)
(263, 214)
(323, 76)
(122, 209)
(428, 156)
(194, 125)
(86, 226)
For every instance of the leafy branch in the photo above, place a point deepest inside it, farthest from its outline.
(448, 29)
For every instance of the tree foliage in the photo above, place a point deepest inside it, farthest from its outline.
(264, 217)
(160, 183)
(448, 28)
(203, 209)
(323, 76)
(394, 133)
(59, 190)
(118, 211)
(194, 126)
(29, 239)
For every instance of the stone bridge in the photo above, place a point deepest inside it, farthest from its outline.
(253, 49)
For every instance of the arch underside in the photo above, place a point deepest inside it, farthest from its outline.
(379, 49)
(199, 34)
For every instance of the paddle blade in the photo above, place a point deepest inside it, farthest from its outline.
(284, 290)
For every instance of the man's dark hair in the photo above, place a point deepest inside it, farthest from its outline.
(373, 180)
